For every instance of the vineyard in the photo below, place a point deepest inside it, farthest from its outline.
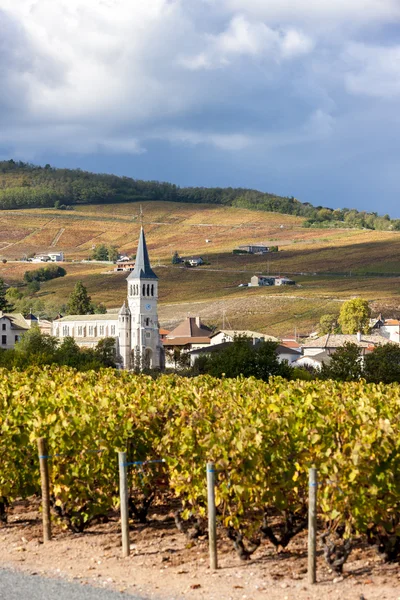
(261, 437)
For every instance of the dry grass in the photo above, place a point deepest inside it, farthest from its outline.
(326, 258)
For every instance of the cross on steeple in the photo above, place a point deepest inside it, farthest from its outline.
(141, 216)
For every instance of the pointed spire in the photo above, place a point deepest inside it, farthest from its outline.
(142, 269)
(124, 310)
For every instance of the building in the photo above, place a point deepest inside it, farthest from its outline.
(388, 328)
(125, 265)
(228, 335)
(194, 261)
(316, 361)
(330, 342)
(261, 280)
(12, 327)
(135, 328)
(188, 335)
(49, 257)
(254, 248)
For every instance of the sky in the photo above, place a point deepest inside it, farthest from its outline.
(295, 97)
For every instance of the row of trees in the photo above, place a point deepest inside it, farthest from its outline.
(36, 349)
(25, 185)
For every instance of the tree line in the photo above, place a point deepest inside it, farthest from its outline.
(24, 185)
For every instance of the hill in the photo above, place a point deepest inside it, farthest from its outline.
(23, 185)
(330, 266)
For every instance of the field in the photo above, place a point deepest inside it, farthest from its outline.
(262, 439)
(329, 266)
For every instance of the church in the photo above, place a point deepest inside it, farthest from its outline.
(135, 328)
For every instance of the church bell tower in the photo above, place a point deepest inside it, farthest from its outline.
(146, 346)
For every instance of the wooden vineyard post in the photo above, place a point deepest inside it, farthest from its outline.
(123, 494)
(45, 483)
(312, 526)
(212, 516)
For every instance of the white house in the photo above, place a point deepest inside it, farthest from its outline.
(315, 361)
(388, 328)
(194, 261)
(12, 327)
(329, 343)
(228, 335)
(49, 257)
(135, 328)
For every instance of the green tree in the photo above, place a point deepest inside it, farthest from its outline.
(105, 352)
(4, 304)
(113, 253)
(33, 287)
(79, 301)
(100, 252)
(243, 358)
(345, 364)
(328, 324)
(383, 364)
(176, 259)
(354, 316)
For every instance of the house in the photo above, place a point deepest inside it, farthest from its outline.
(284, 281)
(135, 328)
(314, 361)
(254, 249)
(125, 265)
(49, 257)
(12, 327)
(194, 261)
(388, 328)
(261, 280)
(228, 335)
(285, 353)
(56, 256)
(188, 335)
(329, 343)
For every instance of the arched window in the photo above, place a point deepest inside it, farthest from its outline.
(147, 322)
(148, 289)
(144, 289)
(152, 290)
(131, 290)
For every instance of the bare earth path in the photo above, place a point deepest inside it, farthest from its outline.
(164, 566)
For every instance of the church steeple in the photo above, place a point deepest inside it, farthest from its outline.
(142, 269)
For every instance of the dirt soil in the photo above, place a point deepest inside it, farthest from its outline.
(164, 565)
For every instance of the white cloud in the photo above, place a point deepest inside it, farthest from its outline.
(312, 11)
(372, 70)
(244, 38)
(230, 141)
(102, 76)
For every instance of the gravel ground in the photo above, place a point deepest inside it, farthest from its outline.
(18, 586)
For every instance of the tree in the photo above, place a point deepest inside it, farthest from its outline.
(112, 253)
(345, 364)
(383, 364)
(33, 287)
(4, 304)
(100, 252)
(354, 316)
(328, 324)
(106, 353)
(176, 259)
(34, 348)
(79, 301)
(243, 358)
